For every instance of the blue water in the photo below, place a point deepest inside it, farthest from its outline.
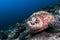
(12, 11)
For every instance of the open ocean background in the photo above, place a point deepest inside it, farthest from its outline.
(12, 11)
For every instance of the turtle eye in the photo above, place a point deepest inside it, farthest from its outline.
(37, 21)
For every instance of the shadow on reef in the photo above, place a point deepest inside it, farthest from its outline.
(20, 31)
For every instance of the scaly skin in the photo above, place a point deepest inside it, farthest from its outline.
(44, 19)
